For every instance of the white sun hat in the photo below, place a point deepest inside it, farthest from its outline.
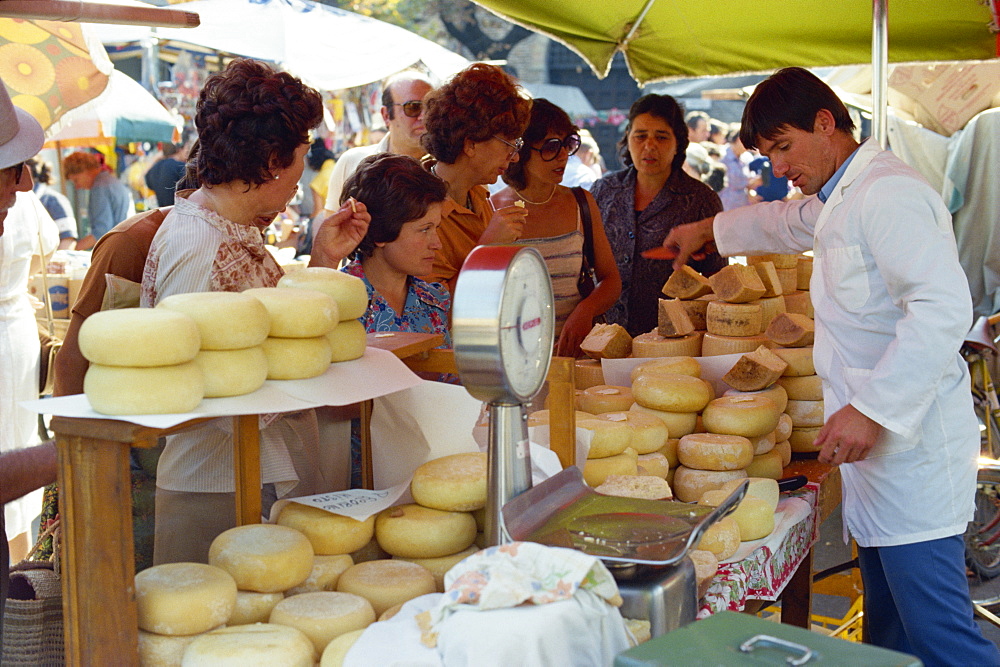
(21, 136)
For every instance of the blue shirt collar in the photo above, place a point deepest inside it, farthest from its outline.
(827, 189)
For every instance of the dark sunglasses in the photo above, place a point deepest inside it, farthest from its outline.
(411, 109)
(550, 149)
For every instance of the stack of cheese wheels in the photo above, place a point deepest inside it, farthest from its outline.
(232, 326)
(805, 390)
(680, 320)
(177, 602)
(297, 346)
(334, 537)
(773, 301)
(141, 362)
(610, 452)
(735, 320)
(348, 338)
(754, 515)
(799, 301)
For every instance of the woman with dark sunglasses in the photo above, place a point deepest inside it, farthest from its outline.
(557, 224)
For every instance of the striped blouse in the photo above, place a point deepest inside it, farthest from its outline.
(564, 257)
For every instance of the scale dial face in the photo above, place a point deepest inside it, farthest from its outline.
(526, 324)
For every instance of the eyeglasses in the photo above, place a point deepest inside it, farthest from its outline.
(551, 147)
(411, 109)
(514, 147)
(18, 170)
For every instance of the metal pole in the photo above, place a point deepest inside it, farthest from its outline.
(880, 69)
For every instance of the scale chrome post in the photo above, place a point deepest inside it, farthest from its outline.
(503, 324)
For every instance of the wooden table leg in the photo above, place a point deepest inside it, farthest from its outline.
(367, 471)
(796, 599)
(246, 467)
(98, 566)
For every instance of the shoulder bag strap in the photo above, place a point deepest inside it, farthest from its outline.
(588, 232)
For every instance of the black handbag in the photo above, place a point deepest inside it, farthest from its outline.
(588, 279)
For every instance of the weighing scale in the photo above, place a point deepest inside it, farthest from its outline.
(503, 324)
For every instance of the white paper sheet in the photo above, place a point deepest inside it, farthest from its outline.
(358, 504)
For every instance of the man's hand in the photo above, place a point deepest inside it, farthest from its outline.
(339, 234)
(847, 436)
(506, 225)
(690, 240)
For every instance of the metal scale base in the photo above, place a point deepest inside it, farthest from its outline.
(666, 596)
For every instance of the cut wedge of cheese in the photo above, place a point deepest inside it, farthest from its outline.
(672, 319)
(737, 283)
(686, 283)
(607, 341)
(791, 330)
(755, 370)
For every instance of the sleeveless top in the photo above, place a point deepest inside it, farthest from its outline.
(564, 258)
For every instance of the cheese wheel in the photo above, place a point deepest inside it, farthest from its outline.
(671, 393)
(139, 337)
(644, 487)
(799, 302)
(336, 651)
(775, 392)
(722, 538)
(672, 319)
(789, 279)
(254, 607)
(258, 644)
(764, 443)
(115, 390)
(784, 449)
(609, 438)
(604, 398)
(678, 424)
(299, 313)
(652, 344)
(324, 616)
(348, 340)
(296, 358)
(669, 451)
(455, 483)
(162, 650)
(690, 484)
(587, 373)
(226, 320)
(347, 291)
(541, 417)
(655, 464)
(669, 366)
(263, 557)
(386, 583)
(803, 387)
(748, 415)
(713, 345)
(412, 531)
(737, 283)
(328, 533)
(706, 564)
(439, 566)
(183, 598)
(607, 341)
(734, 319)
(767, 465)
(596, 471)
(649, 433)
(755, 519)
(232, 372)
(803, 440)
(764, 488)
(799, 360)
(770, 307)
(711, 451)
(784, 261)
(803, 272)
(325, 573)
(805, 414)
(784, 428)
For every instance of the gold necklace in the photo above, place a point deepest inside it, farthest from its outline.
(537, 203)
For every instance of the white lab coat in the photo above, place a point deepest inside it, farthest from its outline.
(892, 309)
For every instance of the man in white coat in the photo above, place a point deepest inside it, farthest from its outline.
(892, 309)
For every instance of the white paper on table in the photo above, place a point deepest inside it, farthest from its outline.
(358, 504)
(542, 435)
(378, 373)
(618, 372)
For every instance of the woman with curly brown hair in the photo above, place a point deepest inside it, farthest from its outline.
(474, 124)
(253, 133)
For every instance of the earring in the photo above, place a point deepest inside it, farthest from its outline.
(276, 177)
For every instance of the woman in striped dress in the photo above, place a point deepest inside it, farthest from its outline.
(555, 224)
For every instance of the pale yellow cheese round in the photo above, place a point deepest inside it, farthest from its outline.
(263, 557)
(413, 531)
(706, 565)
(596, 471)
(764, 443)
(669, 450)
(325, 573)
(139, 337)
(162, 650)
(232, 372)
(609, 438)
(298, 313)
(775, 392)
(733, 319)
(722, 538)
(766, 465)
(587, 373)
(115, 390)
(329, 533)
(713, 345)
(440, 566)
(805, 414)
(678, 424)
(799, 360)
(336, 651)
(783, 430)
(604, 398)
(347, 340)
(652, 344)
(347, 291)
(649, 433)
(296, 358)
(803, 440)
(454, 483)
(226, 320)
(386, 583)
(747, 415)
(755, 519)
(655, 464)
(712, 451)
(803, 388)
(669, 365)
(758, 487)
(254, 607)
(183, 598)
(324, 615)
(784, 449)
(689, 484)
(258, 644)
(671, 393)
